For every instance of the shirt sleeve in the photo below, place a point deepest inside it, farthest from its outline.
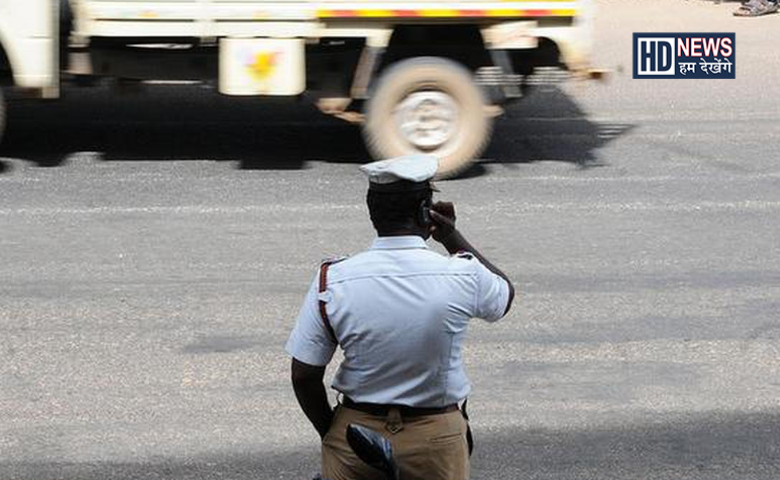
(310, 341)
(492, 293)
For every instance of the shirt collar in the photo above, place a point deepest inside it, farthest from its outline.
(398, 243)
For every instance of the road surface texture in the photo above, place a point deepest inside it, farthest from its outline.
(154, 251)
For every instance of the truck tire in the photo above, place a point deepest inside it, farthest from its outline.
(428, 105)
(2, 115)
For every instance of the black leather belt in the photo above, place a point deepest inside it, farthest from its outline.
(381, 410)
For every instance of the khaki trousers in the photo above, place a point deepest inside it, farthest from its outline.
(430, 447)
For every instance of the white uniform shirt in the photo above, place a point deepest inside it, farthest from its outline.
(399, 312)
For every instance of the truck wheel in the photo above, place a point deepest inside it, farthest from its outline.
(428, 105)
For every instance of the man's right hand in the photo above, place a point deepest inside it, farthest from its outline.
(443, 217)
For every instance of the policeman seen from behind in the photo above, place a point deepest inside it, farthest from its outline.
(399, 311)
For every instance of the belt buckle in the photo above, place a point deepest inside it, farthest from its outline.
(394, 421)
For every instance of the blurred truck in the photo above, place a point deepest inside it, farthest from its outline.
(419, 76)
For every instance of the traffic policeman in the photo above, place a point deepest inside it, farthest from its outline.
(399, 311)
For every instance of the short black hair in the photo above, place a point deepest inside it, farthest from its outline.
(394, 210)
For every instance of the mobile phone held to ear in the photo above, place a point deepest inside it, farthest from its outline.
(425, 213)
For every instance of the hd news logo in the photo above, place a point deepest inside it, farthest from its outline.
(684, 55)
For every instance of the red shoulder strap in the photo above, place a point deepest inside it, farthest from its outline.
(324, 287)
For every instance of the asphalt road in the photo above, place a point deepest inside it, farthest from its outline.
(154, 250)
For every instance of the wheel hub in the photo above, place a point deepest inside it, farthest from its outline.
(427, 119)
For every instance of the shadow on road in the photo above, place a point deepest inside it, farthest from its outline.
(717, 446)
(178, 124)
(196, 124)
(550, 125)
(714, 446)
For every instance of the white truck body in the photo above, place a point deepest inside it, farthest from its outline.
(28, 35)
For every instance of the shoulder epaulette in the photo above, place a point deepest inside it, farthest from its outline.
(465, 254)
(332, 260)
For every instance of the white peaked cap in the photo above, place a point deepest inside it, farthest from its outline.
(412, 168)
